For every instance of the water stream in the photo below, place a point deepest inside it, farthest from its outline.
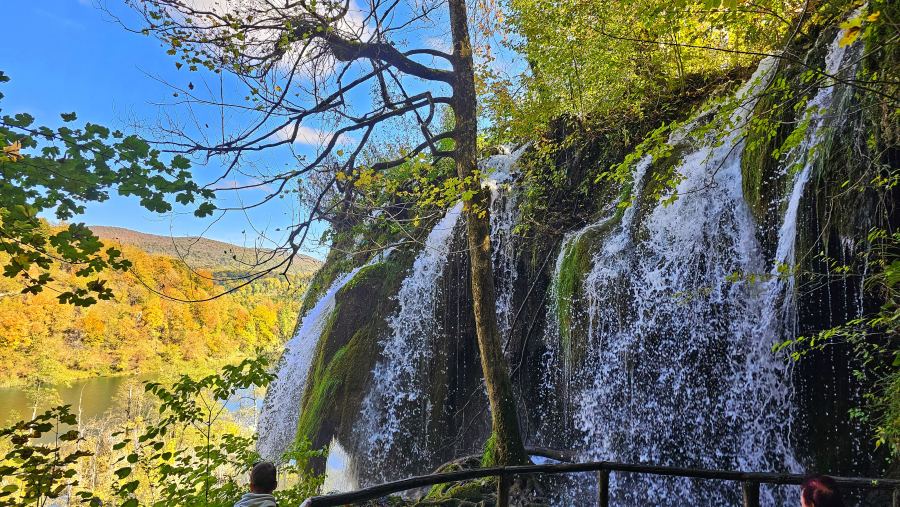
(281, 409)
(396, 404)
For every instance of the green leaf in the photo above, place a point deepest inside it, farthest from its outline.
(205, 210)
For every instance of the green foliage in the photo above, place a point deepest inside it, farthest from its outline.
(874, 338)
(189, 455)
(588, 58)
(853, 182)
(57, 172)
(207, 472)
(37, 474)
(302, 483)
(488, 456)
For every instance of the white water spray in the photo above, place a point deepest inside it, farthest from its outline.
(397, 398)
(504, 216)
(281, 408)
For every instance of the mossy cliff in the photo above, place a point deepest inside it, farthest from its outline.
(348, 350)
(561, 186)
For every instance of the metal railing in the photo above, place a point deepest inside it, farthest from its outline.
(750, 481)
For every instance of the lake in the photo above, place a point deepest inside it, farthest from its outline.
(96, 395)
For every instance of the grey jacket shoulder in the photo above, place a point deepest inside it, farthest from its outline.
(256, 500)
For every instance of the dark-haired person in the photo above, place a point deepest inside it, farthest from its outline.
(263, 480)
(820, 491)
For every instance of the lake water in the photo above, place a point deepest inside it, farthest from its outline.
(95, 395)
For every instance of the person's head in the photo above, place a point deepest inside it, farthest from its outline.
(263, 478)
(820, 491)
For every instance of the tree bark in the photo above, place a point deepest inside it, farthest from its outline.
(508, 447)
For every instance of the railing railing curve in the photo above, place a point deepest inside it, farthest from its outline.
(750, 481)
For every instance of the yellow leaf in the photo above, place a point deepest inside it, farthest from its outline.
(850, 36)
(12, 151)
(873, 17)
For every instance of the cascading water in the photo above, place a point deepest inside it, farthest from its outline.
(671, 374)
(339, 475)
(560, 374)
(823, 115)
(656, 338)
(678, 369)
(503, 219)
(281, 408)
(396, 403)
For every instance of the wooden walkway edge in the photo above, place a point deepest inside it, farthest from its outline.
(750, 481)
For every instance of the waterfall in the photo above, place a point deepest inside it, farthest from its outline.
(822, 115)
(559, 372)
(339, 475)
(397, 404)
(657, 333)
(503, 219)
(281, 408)
(677, 370)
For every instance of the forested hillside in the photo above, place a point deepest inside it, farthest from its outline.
(143, 329)
(202, 253)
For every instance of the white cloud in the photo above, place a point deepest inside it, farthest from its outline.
(312, 137)
(353, 25)
(439, 44)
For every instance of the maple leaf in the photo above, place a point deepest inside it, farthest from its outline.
(12, 151)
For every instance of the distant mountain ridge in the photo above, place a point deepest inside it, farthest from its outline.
(201, 253)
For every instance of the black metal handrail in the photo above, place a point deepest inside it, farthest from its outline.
(750, 481)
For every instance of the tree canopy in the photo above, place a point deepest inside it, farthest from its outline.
(55, 173)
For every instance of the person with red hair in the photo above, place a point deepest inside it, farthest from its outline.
(820, 491)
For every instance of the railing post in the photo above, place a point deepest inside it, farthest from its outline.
(896, 497)
(751, 493)
(503, 490)
(603, 488)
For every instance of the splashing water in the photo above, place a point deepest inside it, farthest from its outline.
(281, 409)
(673, 373)
(339, 475)
(504, 215)
(678, 370)
(396, 404)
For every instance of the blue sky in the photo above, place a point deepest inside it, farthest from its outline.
(68, 55)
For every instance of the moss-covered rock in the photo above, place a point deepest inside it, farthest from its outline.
(348, 349)
(570, 306)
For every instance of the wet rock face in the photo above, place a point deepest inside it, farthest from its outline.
(346, 353)
(639, 336)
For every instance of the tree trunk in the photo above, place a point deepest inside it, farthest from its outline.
(508, 448)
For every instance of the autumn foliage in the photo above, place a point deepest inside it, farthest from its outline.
(143, 329)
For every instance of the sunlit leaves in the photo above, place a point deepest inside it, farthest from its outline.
(32, 472)
(852, 28)
(188, 456)
(58, 172)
